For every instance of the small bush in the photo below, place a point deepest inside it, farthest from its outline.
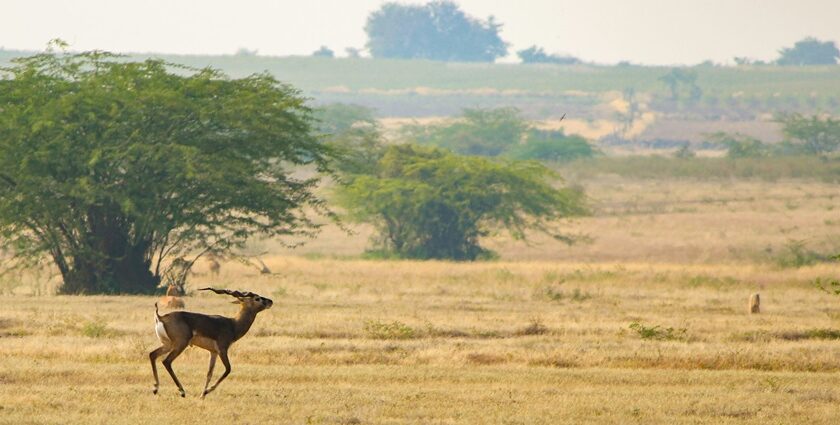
(95, 329)
(796, 255)
(831, 286)
(393, 330)
(658, 332)
(535, 327)
(548, 145)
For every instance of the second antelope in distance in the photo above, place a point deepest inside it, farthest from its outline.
(216, 334)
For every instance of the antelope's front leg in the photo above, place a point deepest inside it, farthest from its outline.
(213, 356)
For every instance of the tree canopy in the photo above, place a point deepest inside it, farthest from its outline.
(499, 132)
(679, 77)
(112, 169)
(478, 131)
(813, 135)
(427, 202)
(438, 30)
(809, 51)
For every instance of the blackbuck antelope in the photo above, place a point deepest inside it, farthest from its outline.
(216, 334)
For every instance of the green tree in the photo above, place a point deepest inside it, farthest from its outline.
(487, 132)
(111, 168)
(678, 77)
(550, 145)
(438, 30)
(740, 146)
(814, 135)
(430, 203)
(535, 54)
(809, 51)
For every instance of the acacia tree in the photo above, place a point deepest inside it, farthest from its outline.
(111, 168)
(431, 203)
(814, 135)
(809, 51)
(438, 30)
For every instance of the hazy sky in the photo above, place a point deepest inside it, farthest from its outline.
(607, 31)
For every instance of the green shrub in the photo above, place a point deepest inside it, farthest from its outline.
(741, 146)
(383, 330)
(546, 145)
(657, 332)
(796, 255)
(96, 328)
(486, 132)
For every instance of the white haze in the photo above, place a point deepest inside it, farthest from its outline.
(604, 31)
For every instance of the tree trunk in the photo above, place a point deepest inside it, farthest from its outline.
(127, 274)
(110, 276)
(107, 260)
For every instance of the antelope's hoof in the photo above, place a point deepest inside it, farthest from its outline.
(183, 394)
(154, 391)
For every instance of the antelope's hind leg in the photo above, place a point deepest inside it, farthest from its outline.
(167, 363)
(153, 356)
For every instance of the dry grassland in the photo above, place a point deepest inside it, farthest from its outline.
(647, 324)
(404, 342)
(663, 221)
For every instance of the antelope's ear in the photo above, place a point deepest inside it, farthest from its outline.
(238, 301)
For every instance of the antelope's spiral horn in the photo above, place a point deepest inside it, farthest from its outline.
(236, 294)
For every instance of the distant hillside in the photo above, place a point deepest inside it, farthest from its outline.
(590, 94)
(413, 77)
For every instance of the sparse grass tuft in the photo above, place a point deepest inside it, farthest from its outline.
(809, 334)
(752, 336)
(485, 358)
(388, 330)
(551, 293)
(711, 281)
(657, 332)
(96, 328)
(535, 327)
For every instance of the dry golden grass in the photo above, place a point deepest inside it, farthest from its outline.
(547, 340)
(409, 342)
